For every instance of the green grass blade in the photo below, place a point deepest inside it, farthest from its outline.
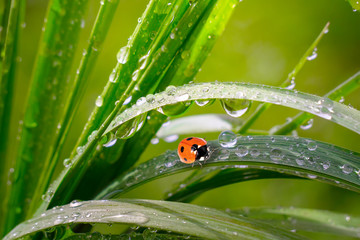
(13, 17)
(322, 107)
(215, 177)
(290, 155)
(96, 39)
(118, 89)
(188, 55)
(345, 88)
(309, 220)
(291, 77)
(354, 4)
(174, 217)
(49, 85)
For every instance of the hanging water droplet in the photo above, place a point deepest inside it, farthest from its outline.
(311, 145)
(112, 77)
(127, 101)
(111, 142)
(235, 107)
(176, 109)
(292, 84)
(346, 169)
(123, 55)
(172, 35)
(203, 103)
(276, 154)
(342, 99)
(129, 128)
(135, 75)
(307, 125)
(313, 55)
(227, 139)
(241, 151)
(99, 101)
(143, 60)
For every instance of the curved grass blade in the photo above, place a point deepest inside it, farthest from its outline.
(169, 216)
(11, 22)
(290, 155)
(288, 82)
(191, 188)
(336, 94)
(322, 107)
(49, 85)
(96, 39)
(309, 220)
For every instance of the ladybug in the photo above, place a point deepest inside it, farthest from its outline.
(193, 148)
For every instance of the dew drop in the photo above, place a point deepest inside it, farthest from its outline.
(123, 55)
(307, 125)
(127, 101)
(170, 90)
(311, 146)
(172, 35)
(292, 84)
(203, 103)
(135, 75)
(313, 55)
(346, 169)
(235, 107)
(67, 162)
(111, 142)
(112, 77)
(254, 152)
(227, 139)
(300, 161)
(276, 154)
(241, 151)
(342, 99)
(80, 149)
(76, 203)
(99, 101)
(141, 101)
(325, 165)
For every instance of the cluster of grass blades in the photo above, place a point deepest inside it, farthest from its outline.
(152, 81)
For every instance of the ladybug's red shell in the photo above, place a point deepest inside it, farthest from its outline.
(191, 149)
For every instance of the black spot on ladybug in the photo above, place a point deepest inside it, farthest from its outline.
(194, 147)
(182, 149)
(188, 139)
(185, 159)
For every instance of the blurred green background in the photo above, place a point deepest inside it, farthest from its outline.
(261, 44)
